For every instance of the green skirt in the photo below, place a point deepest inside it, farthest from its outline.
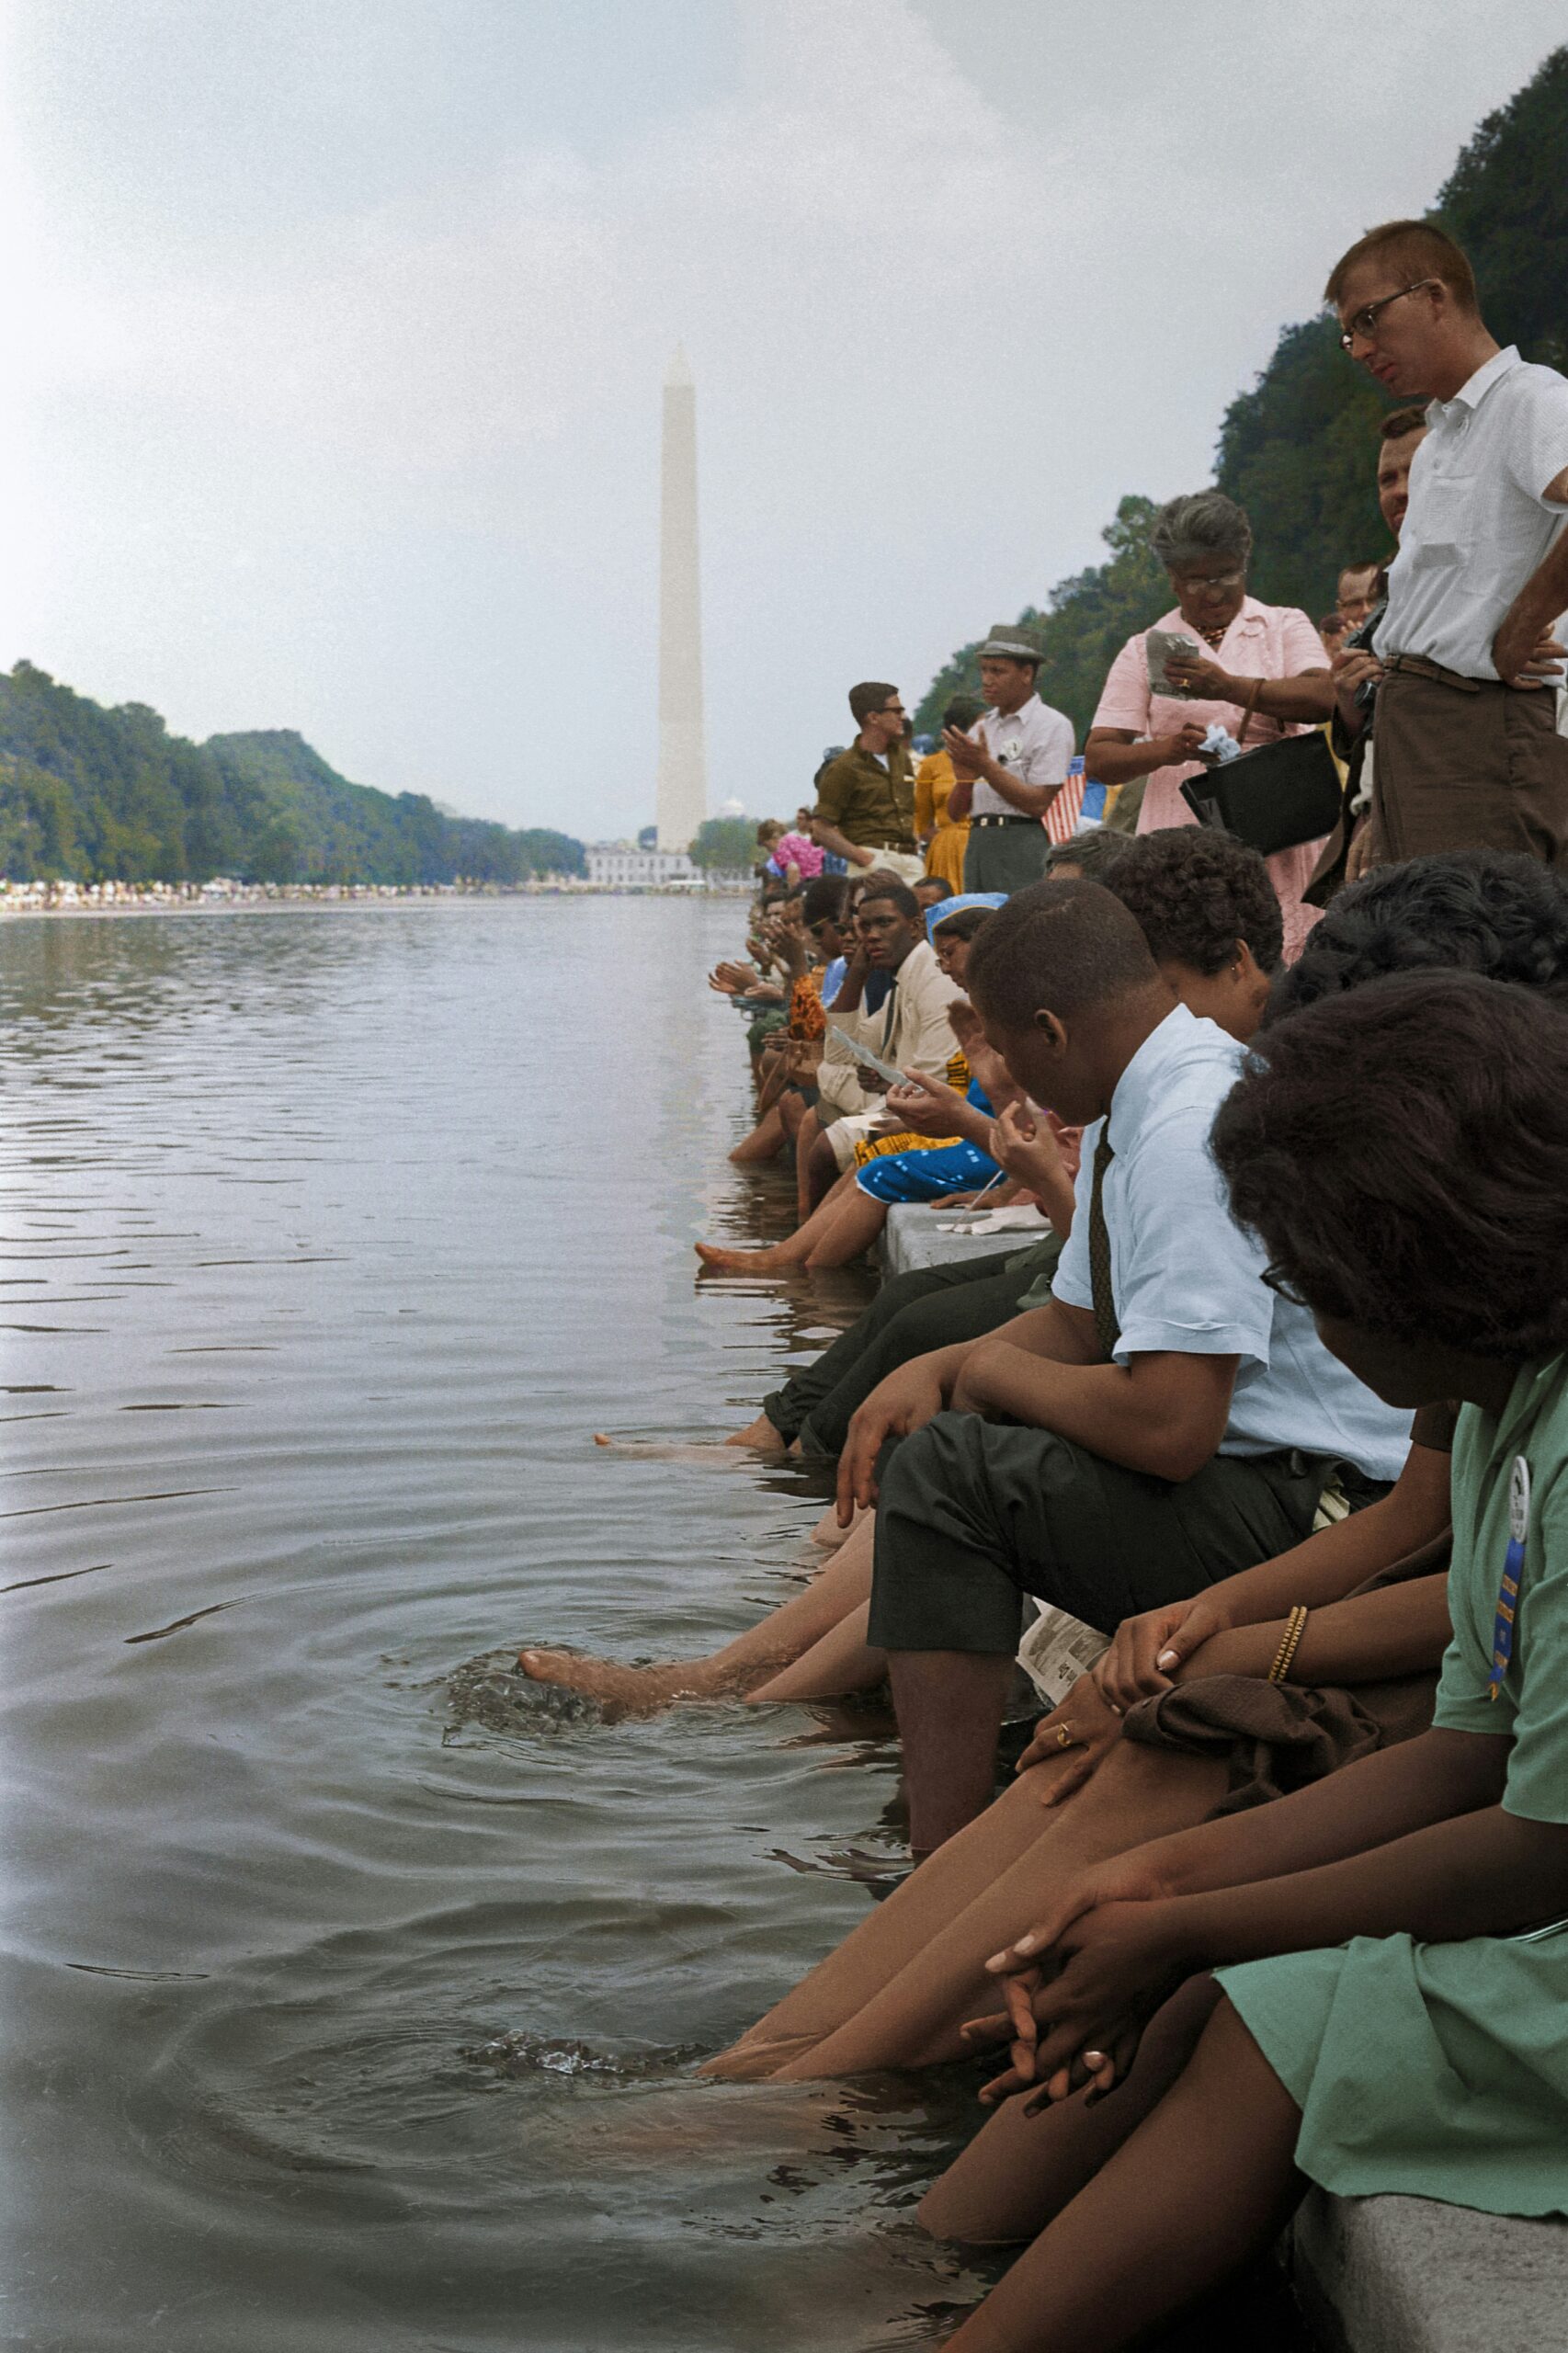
(1431, 2071)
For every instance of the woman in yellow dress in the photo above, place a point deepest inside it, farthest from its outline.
(944, 837)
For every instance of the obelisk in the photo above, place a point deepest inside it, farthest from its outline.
(683, 762)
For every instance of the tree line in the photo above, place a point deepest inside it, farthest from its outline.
(91, 795)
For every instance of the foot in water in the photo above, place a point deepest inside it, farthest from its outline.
(626, 1691)
(709, 1451)
(716, 1261)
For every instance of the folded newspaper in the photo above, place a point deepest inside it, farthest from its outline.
(1057, 1650)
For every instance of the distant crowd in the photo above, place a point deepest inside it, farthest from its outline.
(163, 898)
(1232, 1483)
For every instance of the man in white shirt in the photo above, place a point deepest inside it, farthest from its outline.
(1468, 752)
(1165, 1419)
(1010, 767)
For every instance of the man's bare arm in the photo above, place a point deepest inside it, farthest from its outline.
(1163, 1414)
(828, 837)
(1538, 605)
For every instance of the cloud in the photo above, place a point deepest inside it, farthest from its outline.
(387, 469)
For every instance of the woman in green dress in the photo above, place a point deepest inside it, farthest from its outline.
(1390, 2018)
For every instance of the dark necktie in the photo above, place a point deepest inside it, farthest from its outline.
(1107, 1330)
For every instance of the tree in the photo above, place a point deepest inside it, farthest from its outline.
(725, 845)
(102, 794)
(1298, 449)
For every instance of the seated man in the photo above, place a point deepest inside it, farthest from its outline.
(1208, 909)
(1164, 1420)
(910, 1029)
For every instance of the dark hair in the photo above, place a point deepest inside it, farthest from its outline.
(1195, 892)
(963, 712)
(882, 884)
(870, 697)
(1093, 853)
(1471, 910)
(1349, 571)
(1409, 248)
(962, 924)
(937, 883)
(827, 899)
(1401, 421)
(1058, 948)
(1403, 1155)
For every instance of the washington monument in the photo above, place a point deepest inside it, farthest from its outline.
(683, 762)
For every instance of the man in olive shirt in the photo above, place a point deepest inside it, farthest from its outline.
(864, 810)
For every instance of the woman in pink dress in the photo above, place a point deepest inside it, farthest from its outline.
(1264, 671)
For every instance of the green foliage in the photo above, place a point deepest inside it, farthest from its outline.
(95, 795)
(1091, 616)
(1507, 203)
(726, 844)
(1299, 450)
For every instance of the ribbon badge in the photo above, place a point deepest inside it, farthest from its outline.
(1513, 1571)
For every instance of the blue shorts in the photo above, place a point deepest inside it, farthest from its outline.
(927, 1175)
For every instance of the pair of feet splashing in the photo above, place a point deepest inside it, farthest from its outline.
(620, 1690)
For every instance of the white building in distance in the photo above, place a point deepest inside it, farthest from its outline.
(621, 866)
(682, 795)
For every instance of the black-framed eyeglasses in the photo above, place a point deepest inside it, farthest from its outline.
(1281, 1284)
(1365, 323)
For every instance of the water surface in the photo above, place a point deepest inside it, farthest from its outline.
(353, 1994)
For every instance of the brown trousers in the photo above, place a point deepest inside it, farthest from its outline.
(1471, 765)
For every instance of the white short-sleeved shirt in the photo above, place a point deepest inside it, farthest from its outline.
(1188, 1279)
(1479, 524)
(1035, 743)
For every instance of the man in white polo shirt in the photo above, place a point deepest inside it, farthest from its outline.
(1468, 749)
(1010, 767)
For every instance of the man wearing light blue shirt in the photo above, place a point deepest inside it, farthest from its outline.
(1166, 1420)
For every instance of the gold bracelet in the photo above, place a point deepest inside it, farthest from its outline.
(1294, 1628)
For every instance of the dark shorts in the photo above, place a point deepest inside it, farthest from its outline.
(973, 1515)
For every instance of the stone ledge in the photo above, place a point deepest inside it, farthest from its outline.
(1408, 2275)
(914, 1238)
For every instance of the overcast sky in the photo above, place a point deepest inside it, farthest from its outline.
(340, 328)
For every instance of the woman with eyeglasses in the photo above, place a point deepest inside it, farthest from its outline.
(1262, 672)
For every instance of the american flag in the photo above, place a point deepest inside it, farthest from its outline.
(1062, 817)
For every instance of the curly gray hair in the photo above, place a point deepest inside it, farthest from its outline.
(1200, 528)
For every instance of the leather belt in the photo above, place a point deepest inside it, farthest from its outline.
(1018, 818)
(1417, 666)
(904, 848)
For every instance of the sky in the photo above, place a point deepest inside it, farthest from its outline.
(337, 329)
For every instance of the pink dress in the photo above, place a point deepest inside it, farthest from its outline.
(1263, 642)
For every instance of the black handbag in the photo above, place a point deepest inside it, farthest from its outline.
(1273, 798)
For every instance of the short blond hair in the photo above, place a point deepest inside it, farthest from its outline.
(1408, 247)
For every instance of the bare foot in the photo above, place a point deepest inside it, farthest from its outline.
(706, 1452)
(760, 1436)
(626, 1691)
(741, 1262)
(753, 2062)
(828, 1535)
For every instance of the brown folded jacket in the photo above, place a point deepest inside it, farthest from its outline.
(1277, 1737)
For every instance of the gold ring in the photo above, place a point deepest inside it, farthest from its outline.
(1063, 1737)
